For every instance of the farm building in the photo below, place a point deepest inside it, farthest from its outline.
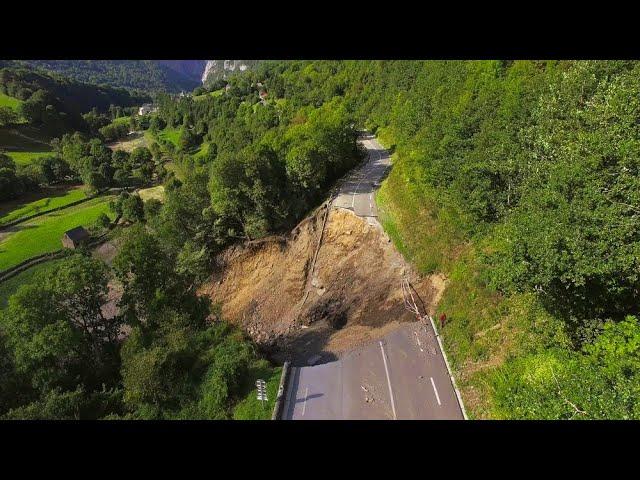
(74, 237)
(147, 108)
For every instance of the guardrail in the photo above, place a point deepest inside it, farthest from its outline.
(411, 305)
(280, 397)
(446, 361)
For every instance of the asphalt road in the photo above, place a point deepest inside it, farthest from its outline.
(357, 191)
(400, 377)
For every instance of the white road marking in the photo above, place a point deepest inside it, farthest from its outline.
(386, 369)
(353, 201)
(418, 339)
(433, 384)
(306, 395)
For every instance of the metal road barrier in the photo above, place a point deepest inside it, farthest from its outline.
(279, 405)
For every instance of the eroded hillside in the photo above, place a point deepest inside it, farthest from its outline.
(353, 295)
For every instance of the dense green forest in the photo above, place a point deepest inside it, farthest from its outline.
(519, 181)
(516, 179)
(55, 109)
(67, 97)
(161, 356)
(145, 75)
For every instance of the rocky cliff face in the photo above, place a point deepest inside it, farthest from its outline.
(215, 69)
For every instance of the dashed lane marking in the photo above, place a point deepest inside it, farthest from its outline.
(435, 390)
(306, 395)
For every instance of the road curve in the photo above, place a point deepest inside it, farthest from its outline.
(356, 193)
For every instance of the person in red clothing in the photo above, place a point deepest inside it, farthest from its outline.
(443, 319)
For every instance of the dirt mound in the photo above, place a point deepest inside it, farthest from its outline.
(352, 296)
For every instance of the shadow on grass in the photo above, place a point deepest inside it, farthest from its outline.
(49, 193)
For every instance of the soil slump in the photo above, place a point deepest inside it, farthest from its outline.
(354, 292)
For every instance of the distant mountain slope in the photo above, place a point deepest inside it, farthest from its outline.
(192, 69)
(170, 76)
(54, 104)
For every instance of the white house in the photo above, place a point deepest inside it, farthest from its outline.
(147, 108)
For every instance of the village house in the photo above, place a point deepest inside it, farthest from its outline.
(147, 108)
(75, 237)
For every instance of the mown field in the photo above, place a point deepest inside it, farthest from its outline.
(43, 234)
(132, 142)
(17, 209)
(250, 408)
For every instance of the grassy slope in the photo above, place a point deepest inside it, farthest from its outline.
(25, 158)
(215, 93)
(250, 408)
(119, 120)
(202, 151)
(23, 137)
(42, 205)
(483, 329)
(128, 144)
(43, 234)
(170, 134)
(11, 102)
(10, 286)
(156, 193)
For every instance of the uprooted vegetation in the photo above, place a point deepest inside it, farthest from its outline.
(354, 291)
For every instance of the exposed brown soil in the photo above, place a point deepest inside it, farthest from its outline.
(129, 143)
(354, 293)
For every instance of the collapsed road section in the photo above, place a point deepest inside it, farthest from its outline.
(329, 297)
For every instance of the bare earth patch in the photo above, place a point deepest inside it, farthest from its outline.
(354, 293)
(132, 141)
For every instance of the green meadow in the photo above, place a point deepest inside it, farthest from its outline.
(215, 93)
(170, 134)
(120, 120)
(11, 102)
(25, 158)
(9, 287)
(43, 234)
(20, 209)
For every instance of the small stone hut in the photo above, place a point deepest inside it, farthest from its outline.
(74, 237)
